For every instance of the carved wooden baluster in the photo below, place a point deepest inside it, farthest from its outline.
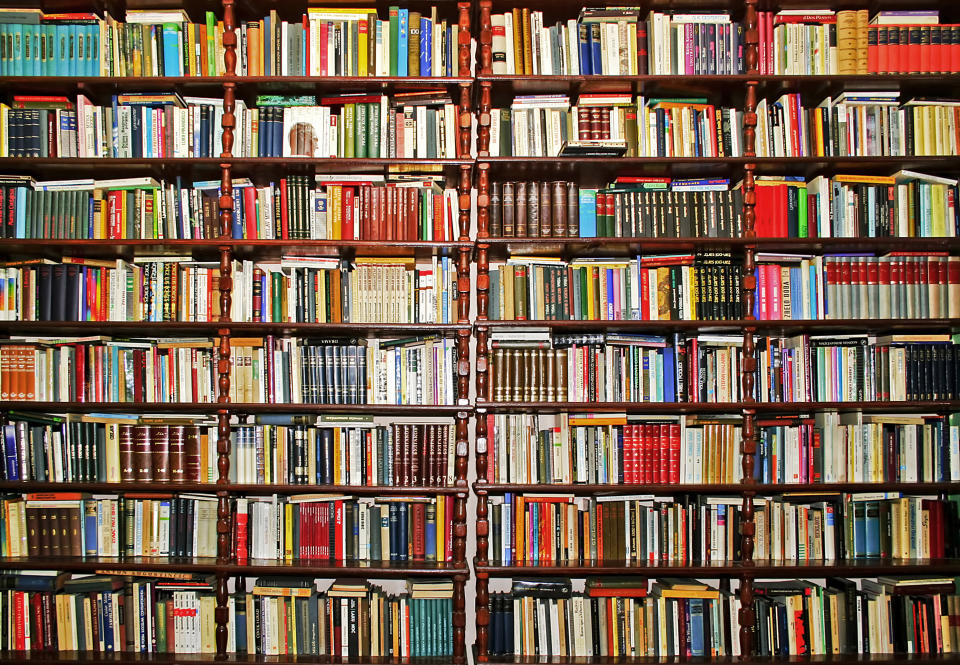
(749, 365)
(483, 613)
(465, 130)
(463, 39)
(483, 121)
(485, 46)
(222, 614)
(463, 203)
(460, 533)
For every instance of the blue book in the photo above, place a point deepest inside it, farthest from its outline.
(21, 205)
(5, 61)
(93, 60)
(402, 528)
(10, 452)
(859, 529)
(507, 509)
(16, 55)
(236, 229)
(588, 213)
(171, 50)
(583, 39)
(90, 534)
(430, 551)
(872, 528)
(669, 374)
(596, 57)
(695, 631)
(403, 36)
(26, 50)
(36, 31)
(426, 47)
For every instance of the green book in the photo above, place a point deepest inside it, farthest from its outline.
(362, 120)
(349, 130)
(373, 129)
(211, 44)
(804, 229)
(394, 39)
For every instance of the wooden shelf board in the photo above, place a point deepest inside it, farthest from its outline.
(231, 488)
(677, 408)
(589, 489)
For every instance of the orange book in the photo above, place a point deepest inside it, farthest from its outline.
(254, 51)
(520, 529)
(204, 53)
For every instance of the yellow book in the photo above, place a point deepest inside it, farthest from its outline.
(337, 456)
(519, 529)
(363, 44)
(333, 212)
(288, 532)
(4, 125)
(441, 530)
(868, 179)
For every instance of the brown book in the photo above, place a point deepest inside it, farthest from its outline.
(509, 210)
(535, 375)
(192, 447)
(527, 43)
(549, 376)
(397, 451)
(517, 41)
(596, 124)
(524, 378)
(127, 473)
(73, 531)
(605, 123)
(545, 209)
(416, 444)
(142, 455)
(520, 216)
(496, 210)
(559, 214)
(413, 45)
(533, 210)
(583, 123)
(57, 545)
(573, 210)
(34, 540)
(520, 293)
(496, 384)
(561, 374)
(160, 450)
(514, 374)
(407, 442)
(543, 357)
(178, 453)
(428, 460)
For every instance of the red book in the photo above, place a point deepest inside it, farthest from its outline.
(955, 49)
(674, 453)
(306, 40)
(935, 48)
(645, 295)
(873, 49)
(347, 232)
(448, 527)
(324, 59)
(649, 442)
(250, 211)
(626, 462)
(338, 533)
(913, 49)
(419, 511)
(284, 217)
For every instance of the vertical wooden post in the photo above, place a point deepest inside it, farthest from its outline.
(222, 612)
(464, 39)
(749, 366)
(485, 45)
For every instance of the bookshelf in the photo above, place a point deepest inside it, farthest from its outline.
(231, 88)
(742, 91)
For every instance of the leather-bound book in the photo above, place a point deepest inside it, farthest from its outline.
(520, 292)
(520, 214)
(160, 450)
(541, 369)
(559, 197)
(33, 532)
(177, 441)
(496, 210)
(508, 229)
(561, 374)
(416, 443)
(142, 455)
(573, 210)
(516, 375)
(549, 376)
(192, 451)
(525, 378)
(495, 380)
(56, 537)
(71, 527)
(127, 473)
(534, 377)
(545, 209)
(533, 210)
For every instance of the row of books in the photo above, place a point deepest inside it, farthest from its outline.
(370, 207)
(613, 618)
(78, 289)
(330, 290)
(351, 619)
(343, 528)
(356, 452)
(49, 612)
(840, 616)
(691, 287)
(851, 368)
(133, 125)
(857, 447)
(857, 124)
(633, 207)
(614, 124)
(146, 43)
(75, 524)
(892, 286)
(614, 367)
(350, 42)
(275, 370)
(610, 449)
(833, 527)
(107, 448)
(571, 530)
(821, 41)
(616, 41)
(278, 370)
(421, 125)
(346, 207)
(905, 205)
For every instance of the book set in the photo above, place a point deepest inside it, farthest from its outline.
(664, 287)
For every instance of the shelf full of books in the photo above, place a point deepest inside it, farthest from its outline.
(239, 299)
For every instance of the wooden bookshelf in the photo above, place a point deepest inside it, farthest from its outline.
(742, 92)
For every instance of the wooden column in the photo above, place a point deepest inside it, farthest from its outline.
(464, 39)
(485, 46)
(222, 612)
(749, 285)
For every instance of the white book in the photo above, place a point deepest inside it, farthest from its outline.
(499, 45)
(510, 46)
